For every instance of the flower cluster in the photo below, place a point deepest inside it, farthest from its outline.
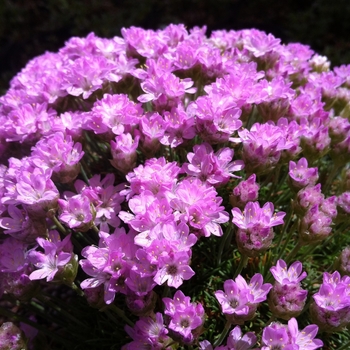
(255, 233)
(150, 171)
(240, 300)
(287, 298)
(331, 307)
(289, 337)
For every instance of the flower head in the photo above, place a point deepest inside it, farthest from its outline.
(255, 224)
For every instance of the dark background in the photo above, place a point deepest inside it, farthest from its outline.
(30, 27)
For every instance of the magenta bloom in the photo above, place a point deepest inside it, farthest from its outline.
(156, 175)
(262, 147)
(198, 204)
(12, 337)
(113, 115)
(165, 90)
(59, 153)
(21, 226)
(179, 127)
(246, 191)
(15, 269)
(109, 264)
(259, 43)
(240, 300)
(331, 307)
(32, 188)
(287, 298)
(124, 152)
(13, 255)
(217, 117)
(77, 212)
(288, 337)
(233, 300)
(343, 206)
(275, 336)
(236, 341)
(152, 130)
(105, 197)
(185, 316)
(293, 274)
(315, 226)
(255, 224)
(305, 338)
(149, 333)
(85, 75)
(344, 261)
(302, 176)
(174, 268)
(213, 168)
(57, 254)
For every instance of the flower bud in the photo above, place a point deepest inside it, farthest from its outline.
(142, 305)
(343, 262)
(69, 272)
(287, 301)
(11, 337)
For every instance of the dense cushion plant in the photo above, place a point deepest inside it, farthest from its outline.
(171, 190)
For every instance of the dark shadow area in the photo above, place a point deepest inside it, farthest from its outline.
(29, 28)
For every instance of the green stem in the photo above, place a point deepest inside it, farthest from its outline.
(166, 291)
(226, 238)
(252, 118)
(330, 178)
(59, 226)
(290, 234)
(339, 231)
(345, 346)
(83, 171)
(121, 314)
(66, 314)
(77, 289)
(308, 252)
(18, 318)
(76, 243)
(63, 303)
(272, 318)
(111, 316)
(85, 237)
(242, 264)
(37, 309)
(285, 226)
(295, 250)
(323, 245)
(223, 334)
(272, 188)
(95, 229)
(306, 307)
(267, 180)
(282, 198)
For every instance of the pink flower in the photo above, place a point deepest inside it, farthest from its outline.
(213, 168)
(148, 332)
(174, 269)
(283, 275)
(302, 176)
(255, 224)
(246, 191)
(124, 152)
(259, 43)
(57, 254)
(239, 300)
(262, 147)
(185, 316)
(77, 212)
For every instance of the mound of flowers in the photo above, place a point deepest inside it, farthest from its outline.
(171, 190)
